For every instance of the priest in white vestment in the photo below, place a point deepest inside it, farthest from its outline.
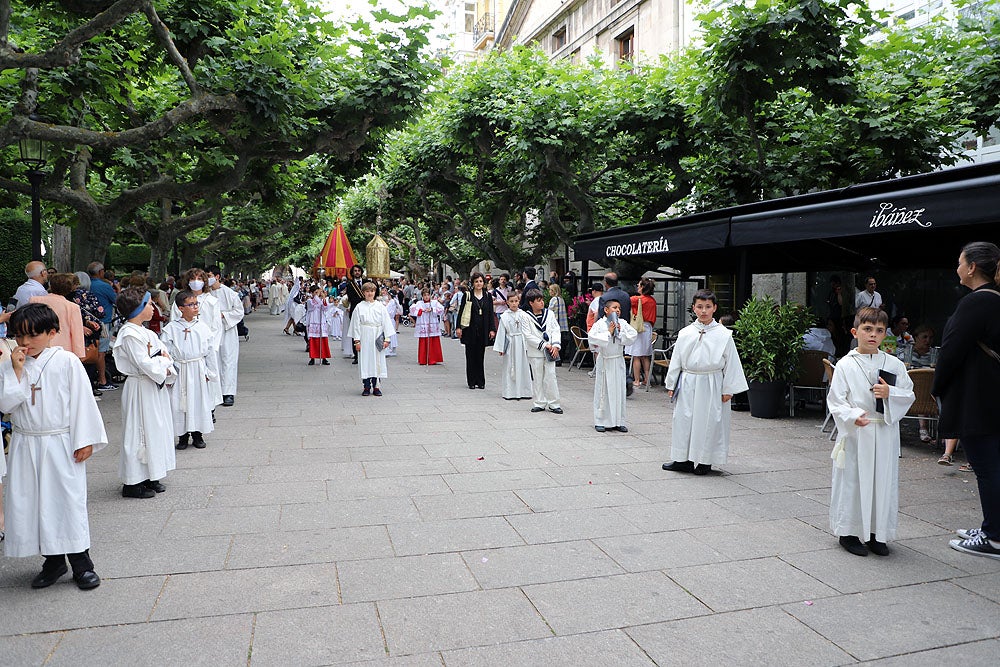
(704, 373)
(609, 336)
(515, 374)
(276, 295)
(147, 424)
(369, 322)
(864, 502)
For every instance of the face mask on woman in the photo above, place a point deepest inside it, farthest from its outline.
(196, 285)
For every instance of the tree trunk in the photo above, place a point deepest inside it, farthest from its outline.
(92, 239)
(62, 250)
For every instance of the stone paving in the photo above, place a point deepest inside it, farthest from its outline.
(442, 526)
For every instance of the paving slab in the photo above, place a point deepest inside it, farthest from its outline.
(345, 513)
(319, 636)
(517, 566)
(658, 551)
(404, 577)
(605, 603)
(971, 653)
(753, 637)
(301, 547)
(901, 616)
(220, 640)
(442, 622)
(600, 648)
(468, 505)
(452, 535)
(569, 525)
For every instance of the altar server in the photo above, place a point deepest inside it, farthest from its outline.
(56, 428)
(209, 313)
(426, 315)
(869, 394)
(231, 313)
(515, 375)
(370, 330)
(190, 345)
(317, 327)
(705, 371)
(609, 336)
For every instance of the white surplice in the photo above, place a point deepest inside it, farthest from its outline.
(393, 308)
(864, 497)
(428, 323)
(335, 320)
(231, 313)
(46, 490)
(147, 422)
(707, 365)
(191, 398)
(515, 375)
(609, 371)
(368, 320)
(317, 324)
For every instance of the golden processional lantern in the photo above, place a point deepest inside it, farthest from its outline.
(377, 258)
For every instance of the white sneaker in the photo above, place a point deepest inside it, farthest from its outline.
(924, 435)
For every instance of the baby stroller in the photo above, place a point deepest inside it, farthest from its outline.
(242, 331)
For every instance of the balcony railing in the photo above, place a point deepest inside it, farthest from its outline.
(484, 27)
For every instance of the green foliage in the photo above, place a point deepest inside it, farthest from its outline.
(768, 337)
(127, 257)
(15, 248)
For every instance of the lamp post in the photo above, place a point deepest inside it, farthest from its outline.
(34, 153)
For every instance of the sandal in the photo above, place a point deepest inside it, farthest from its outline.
(965, 468)
(945, 460)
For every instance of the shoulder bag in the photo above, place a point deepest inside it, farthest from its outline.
(637, 322)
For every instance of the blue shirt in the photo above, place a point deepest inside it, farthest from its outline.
(106, 296)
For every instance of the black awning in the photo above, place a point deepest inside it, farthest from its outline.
(911, 222)
(662, 241)
(918, 211)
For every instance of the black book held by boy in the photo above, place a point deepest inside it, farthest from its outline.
(890, 379)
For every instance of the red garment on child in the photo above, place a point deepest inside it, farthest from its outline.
(319, 348)
(429, 352)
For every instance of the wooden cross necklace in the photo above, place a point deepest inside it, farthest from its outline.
(35, 386)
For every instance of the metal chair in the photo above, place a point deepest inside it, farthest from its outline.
(924, 406)
(661, 360)
(827, 379)
(582, 347)
(811, 377)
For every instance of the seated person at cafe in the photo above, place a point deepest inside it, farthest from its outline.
(901, 330)
(820, 337)
(923, 339)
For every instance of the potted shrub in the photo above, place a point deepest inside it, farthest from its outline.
(768, 337)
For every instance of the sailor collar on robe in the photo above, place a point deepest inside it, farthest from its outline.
(540, 320)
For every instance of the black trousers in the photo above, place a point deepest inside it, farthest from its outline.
(78, 562)
(475, 374)
(370, 383)
(983, 452)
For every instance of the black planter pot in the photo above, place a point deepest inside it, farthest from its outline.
(766, 399)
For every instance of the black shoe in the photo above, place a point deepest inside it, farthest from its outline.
(376, 392)
(557, 411)
(213, 416)
(537, 409)
(182, 442)
(155, 485)
(480, 386)
(136, 491)
(679, 466)
(87, 580)
(853, 545)
(600, 429)
(876, 547)
(366, 392)
(623, 429)
(198, 442)
(228, 400)
(325, 362)
(472, 386)
(629, 389)
(98, 394)
(312, 362)
(355, 361)
(47, 578)
(702, 469)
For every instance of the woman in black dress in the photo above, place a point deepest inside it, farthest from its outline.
(476, 329)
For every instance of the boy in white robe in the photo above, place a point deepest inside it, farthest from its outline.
(189, 343)
(317, 329)
(541, 339)
(57, 427)
(392, 306)
(610, 335)
(370, 322)
(230, 314)
(704, 373)
(209, 314)
(515, 376)
(864, 499)
(147, 423)
(335, 319)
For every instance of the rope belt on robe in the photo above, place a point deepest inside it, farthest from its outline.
(142, 453)
(702, 372)
(511, 371)
(29, 432)
(182, 381)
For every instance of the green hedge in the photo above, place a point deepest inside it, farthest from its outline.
(126, 258)
(15, 250)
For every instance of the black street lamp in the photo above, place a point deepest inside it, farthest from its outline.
(34, 153)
